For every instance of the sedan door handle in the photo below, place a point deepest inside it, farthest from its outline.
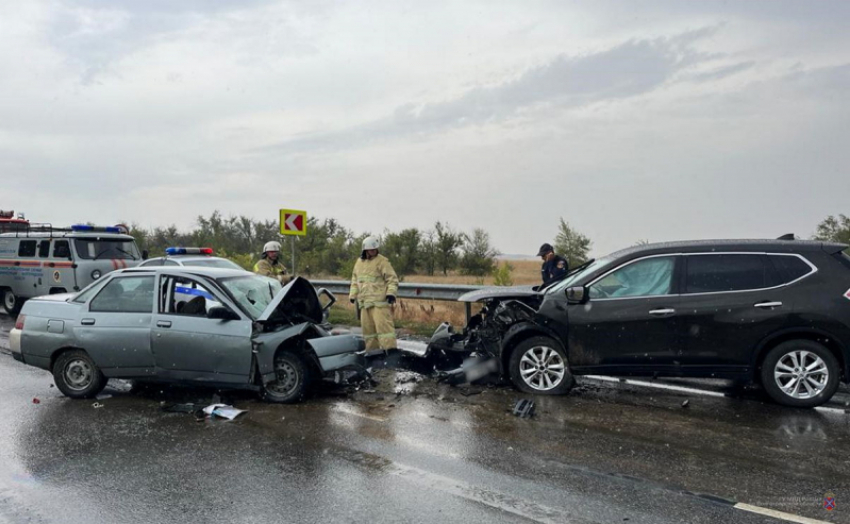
(163, 323)
(768, 304)
(87, 321)
(662, 312)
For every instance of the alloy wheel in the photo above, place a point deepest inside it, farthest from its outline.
(542, 368)
(801, 374)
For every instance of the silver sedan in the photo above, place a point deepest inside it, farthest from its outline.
(217, 327)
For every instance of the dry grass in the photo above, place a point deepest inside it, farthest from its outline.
(421, 317)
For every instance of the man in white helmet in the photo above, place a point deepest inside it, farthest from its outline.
(374, 285)
(270, 264)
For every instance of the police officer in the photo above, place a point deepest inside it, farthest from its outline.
(555, 267)
(374, 285)
(270, 264)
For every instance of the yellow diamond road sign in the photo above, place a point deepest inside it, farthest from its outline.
(293, 222)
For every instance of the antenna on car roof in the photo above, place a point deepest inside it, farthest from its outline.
(787, 236)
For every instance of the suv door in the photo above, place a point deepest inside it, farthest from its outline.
(730, 302)
(189, 346)
(115, 327)
(630, 322)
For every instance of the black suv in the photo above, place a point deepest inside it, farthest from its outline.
(773, 311)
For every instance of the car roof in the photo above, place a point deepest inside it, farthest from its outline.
(187, 257)
(729, 245)
(212, 272)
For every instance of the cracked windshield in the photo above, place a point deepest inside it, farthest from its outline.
(579, 262)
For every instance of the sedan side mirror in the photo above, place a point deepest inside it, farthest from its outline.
(221, 313)
(577, 295)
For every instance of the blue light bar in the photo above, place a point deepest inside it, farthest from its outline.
(85, 227)
(175, 251)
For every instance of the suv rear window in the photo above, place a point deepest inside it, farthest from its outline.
(844, 259)
(719, 273)
(790, 267)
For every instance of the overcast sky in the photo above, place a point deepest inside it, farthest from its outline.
(632, 120)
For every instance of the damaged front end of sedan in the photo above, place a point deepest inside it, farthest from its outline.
(482, 350)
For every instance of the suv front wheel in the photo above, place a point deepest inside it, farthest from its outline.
(538, 365)
(800, 373)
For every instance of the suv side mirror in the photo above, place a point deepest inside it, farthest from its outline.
(577, 295)
(221, 313)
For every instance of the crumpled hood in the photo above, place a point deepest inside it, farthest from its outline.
(296, 302)
(498, 292)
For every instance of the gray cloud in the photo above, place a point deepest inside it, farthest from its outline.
(633, 68)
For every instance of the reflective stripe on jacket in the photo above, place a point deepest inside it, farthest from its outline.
(372, 280)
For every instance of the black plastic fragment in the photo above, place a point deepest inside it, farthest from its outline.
(524, 408)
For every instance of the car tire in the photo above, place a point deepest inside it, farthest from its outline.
(779, 370)
(12, 303)
(77, 376)
(539, 365)
(293, 379)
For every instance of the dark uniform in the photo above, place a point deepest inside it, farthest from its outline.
(554, 270)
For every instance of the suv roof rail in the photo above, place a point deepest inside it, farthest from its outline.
(787, 236)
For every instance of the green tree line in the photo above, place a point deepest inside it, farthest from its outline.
(331, 249)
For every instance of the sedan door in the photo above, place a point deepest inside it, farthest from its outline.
(115, 327)
(188, 345)
(630, 322)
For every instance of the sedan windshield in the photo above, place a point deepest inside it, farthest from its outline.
(253, 293)
(212, 262)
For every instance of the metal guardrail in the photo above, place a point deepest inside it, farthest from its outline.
(408, 290)
(448, 292)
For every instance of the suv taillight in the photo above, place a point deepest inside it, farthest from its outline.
(847, 295)
(19, 324)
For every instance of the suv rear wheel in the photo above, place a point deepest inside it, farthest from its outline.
(800, 373)
(538, 365)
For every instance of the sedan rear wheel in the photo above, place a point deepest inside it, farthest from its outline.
(77, 376)
(539, 365)
(293, 378)
(800, 373)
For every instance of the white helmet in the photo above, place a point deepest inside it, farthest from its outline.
(370, 243)
(271, 246)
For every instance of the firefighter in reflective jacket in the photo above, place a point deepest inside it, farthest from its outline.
(374, 285)
(270, 264)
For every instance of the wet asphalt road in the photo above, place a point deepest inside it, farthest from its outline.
(605, 453)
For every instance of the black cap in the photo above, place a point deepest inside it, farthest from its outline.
(545, 248)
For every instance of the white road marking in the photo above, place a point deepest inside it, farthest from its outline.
(668, 387)
(788, 517)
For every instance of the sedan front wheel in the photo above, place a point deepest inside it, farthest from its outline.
(539, 365)
(292, 378)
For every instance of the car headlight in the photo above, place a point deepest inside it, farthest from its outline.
(95, 274)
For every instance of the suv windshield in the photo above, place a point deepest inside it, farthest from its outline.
(99, 248)
(253, 293)
(567, 282)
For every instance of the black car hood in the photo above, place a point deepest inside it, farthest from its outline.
(296, 302)
(499, 292)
